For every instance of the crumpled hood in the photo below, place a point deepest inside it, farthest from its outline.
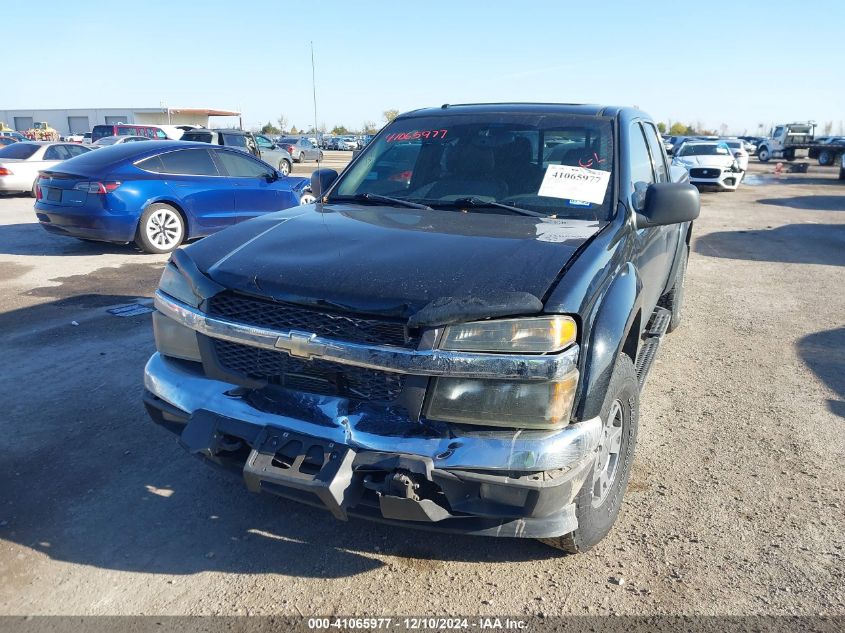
(391, 261)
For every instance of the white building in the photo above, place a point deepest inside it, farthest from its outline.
(80, 120)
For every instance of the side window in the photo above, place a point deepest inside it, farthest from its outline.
(56, 152)
(778, 131)
(241, 166)
(76, 150)
(234, 140)
(656, 149)
(125, 131)
(188, 162)
(159, 134)
(264, 142)
(640, 162)
(153, 164)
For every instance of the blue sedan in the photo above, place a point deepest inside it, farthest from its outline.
(159, 193)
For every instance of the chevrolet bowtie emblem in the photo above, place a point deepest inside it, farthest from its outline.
(301, 345)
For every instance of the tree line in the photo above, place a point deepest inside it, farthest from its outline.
(280, 126)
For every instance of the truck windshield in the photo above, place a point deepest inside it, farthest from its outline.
(551, 164)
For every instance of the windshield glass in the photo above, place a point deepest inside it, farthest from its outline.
(552, 164)
(19, 150)
(703, 149)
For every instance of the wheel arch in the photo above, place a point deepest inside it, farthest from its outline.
(616, 326)
(186, 218)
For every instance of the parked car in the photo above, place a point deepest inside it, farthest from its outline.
(125, 129)
(74, 138)
(347, 143)
(737, 147)
(7, 140)
(15, 135)
(20, 162)
(117, 140)
(159, 193)
(842, 167)
(301, 149)
(462, 350)
(274, 154)
(86, 138)
(710, 163)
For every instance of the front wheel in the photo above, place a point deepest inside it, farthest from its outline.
(763, 155)
(285, 167)
(160, 230)
(597, 503)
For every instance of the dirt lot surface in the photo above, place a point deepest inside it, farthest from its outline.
(735, 504)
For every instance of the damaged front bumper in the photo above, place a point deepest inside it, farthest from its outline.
(485, 482)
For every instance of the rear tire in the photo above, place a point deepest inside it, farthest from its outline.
(160, 230)
(600, 498)
(825, 158)
(285, 167)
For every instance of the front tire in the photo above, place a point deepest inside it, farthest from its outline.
(160, 230)
(600, 498)
(763, 154)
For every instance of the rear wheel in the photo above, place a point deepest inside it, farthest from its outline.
(597, 503)
(160, 230)
(285, 167)
(825, 158)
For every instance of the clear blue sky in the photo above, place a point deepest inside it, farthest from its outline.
(675, 60)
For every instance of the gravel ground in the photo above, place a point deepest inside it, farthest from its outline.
(735, 504)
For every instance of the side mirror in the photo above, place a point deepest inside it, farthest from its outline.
(272, 176)
(669, 203)
(321, 181)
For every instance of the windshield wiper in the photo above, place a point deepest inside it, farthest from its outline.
(374, 197)
(480, 203)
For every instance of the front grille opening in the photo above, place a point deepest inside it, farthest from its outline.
(313, 462)
(288, 316)
(309, 376)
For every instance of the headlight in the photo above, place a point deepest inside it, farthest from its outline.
(517, 336)
(177, 286)
(518, 405)
(174, 339)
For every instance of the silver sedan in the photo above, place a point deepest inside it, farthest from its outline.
(21, 162)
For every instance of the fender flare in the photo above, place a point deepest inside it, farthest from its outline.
(610, 325)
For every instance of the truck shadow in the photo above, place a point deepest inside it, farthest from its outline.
(810, 203)
(88, 479)
(824, 353)
(791, 243)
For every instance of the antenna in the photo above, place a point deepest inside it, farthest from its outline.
(314, 95)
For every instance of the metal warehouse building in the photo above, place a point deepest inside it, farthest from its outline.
(78, 121)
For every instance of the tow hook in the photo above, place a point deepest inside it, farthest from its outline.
(398, 499)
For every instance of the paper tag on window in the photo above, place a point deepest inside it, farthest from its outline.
(575, 183)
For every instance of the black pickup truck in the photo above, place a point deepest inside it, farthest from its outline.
(454, 336)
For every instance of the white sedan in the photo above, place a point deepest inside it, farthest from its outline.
(709, 163)
(21, 162)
